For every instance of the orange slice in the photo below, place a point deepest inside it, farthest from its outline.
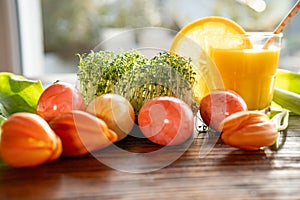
(212, 29)
(194, 40)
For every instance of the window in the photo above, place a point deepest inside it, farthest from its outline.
(31, 36)
(22, 50)
(80, 26)
(9, 37)
(52, 32)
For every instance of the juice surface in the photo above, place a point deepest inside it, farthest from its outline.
(249, 72)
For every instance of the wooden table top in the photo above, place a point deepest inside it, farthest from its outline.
(224, 173)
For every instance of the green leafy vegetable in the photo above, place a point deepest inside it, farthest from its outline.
(17, 94)
(91, 68)
(281, 120)
(287, 90)
(136, 77)
(288, 100)
(288, 80)
(3, 114)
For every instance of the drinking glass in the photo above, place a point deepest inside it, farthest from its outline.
(247, 64)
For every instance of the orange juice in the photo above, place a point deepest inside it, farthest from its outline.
(249, 72)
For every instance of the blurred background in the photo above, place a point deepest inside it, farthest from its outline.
(41, 37)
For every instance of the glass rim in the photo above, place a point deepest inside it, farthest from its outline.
(249, 34)
(258, 33)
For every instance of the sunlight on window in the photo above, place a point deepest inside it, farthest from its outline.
(79, 27)
(257, 5)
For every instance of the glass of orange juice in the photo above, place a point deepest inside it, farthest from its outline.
(248, 65)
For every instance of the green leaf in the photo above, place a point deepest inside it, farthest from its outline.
(18, 94)
(3, 114)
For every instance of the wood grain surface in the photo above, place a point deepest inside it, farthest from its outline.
(224, 173)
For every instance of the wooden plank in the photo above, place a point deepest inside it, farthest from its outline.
(224, 173)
